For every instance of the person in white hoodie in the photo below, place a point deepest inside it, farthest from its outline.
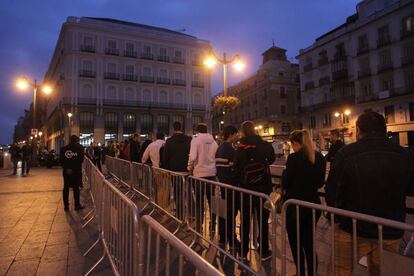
(202, 164)
(153, 151)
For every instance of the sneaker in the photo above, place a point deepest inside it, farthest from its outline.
(79, 207)
(66, 208)
(266, 255)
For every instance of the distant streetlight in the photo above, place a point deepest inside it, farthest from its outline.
(342, 115)
(70, 117)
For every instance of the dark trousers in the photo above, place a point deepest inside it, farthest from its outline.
(25, 166)
(257, 207)
(15, 162)
(71, 181)
(97, 163)
(305, 238)
(229, 222)
(202, 190)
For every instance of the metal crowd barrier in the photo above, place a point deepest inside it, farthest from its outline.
(300, 209)
(167, 254)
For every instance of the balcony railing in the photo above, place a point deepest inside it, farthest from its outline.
(163, 81)
(178, 60)
(147, 56)
(128, 53)
(407, 33)
(384, 67)
(362, 50)
(143, 104)
(309, 85)
(323, 60)
(164, 58)
(407, 60)
(200, 107)
(324, 80)
(383, 41)
(307, 67)
(87, 74)
(129, 77)
(79, 100)
(179, 82)
(147, 79)
(198, 84)
(111, 51)
(339, 68)
(363, 73)
(111, 76)
(196, 62)
(88, 48)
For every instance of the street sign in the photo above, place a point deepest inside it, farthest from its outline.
(34, 131)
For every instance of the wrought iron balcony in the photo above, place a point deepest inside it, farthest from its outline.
(87, 74)
(148, 79)
(383, 41)
(163, 81)
(111, 76)
(147, 56)
(309, 85)
(386, 66)
(407, 33)
(178, 60)
(179, 82)
(111, 51)
(164, 58)
(198, 84)
(363, 73)
(87, 48)
(323, 60)
(129, 77)
(307, 67)
(131, 54)
(324, 80)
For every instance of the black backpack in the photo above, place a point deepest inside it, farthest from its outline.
(256, 171)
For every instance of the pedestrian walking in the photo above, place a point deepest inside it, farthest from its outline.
(251, 162)
(134, 148)
(152, 152)
(202, 163)
(372, 176)
(26, 158)
(97, 156)
(175, 158)
(303, 176)
(226, 174)
(336, 145)
(71, 157)
(15, 153)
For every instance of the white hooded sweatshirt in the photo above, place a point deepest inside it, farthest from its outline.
(202, 159)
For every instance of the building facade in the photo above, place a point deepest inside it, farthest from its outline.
(270, 98)
(365, 64)
(117, 78)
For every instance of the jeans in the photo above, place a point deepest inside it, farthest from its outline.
(15, 162)
(227, 225)
(71, 181)
(201, 191)
(25, 166)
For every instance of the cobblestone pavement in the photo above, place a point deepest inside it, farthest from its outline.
(37, 237)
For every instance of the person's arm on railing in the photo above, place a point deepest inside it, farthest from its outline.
(192, 157)
(145, 156)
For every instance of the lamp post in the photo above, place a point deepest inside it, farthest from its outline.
(70, 121)
(342, 115)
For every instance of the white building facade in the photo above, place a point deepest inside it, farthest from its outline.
(365, 64)
(118, 78)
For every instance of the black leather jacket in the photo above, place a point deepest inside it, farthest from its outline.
(372, 176)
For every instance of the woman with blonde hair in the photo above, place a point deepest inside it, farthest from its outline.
(303, 176)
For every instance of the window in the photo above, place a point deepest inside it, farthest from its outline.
(340, 51)
(283, 109)
(87, 91)
(147, 96)
(282, 93)
(146, 72)
(163, 97)
(197, 99)
(129, 47)
(366, 89)
(87, 65)
(386, 84)
(147, 49)
(111, 93)
(312, 122)
(86, 121)
(178, 75)
(389, 114)
(196, 76)
(409, 81)
(327, 120)
(179, 97)
(385, 57)
(180, 119)
(266, 111)
(163, 123)
(362, 43)
(411, 107)
(146, 123)
(408, 24)
(111, 44)
(111, 122)
(129, 69)
(163, 52)
(111, 67)
(129, 94)
(178, 54)
(163, 73)
(129, 122)
(383, 34)
(196, 120)
(88, 41)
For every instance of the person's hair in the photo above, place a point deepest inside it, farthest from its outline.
(160, 135)
(135, 135)
(177, 126)
(229, 130)
(247, 128)
(201, 128)
(335, 132)
(371, 123)
(304, 138)
(74, 139)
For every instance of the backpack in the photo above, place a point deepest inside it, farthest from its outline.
(256, 172)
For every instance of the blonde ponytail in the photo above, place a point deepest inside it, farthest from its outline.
(304, 138)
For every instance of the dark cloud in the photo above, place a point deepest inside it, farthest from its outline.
(29, 30)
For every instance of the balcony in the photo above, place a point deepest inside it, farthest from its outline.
(131, 54)
(143, 104)
(407, 60)
(129, 77)
(164, 58)
(196, 62)
(87, 74)
(87, 48)
(363, 73)
(337, 101)
(111, 76)
(383, 41)
(179, 82)
(79, 100)
(163, 81)
(198, 84)
(147, 79)
(178, 60)
(362, 50)
(147, 56)
(111, 51)
(199, 107)
(339, 68)
(307, 67)
(324, 81)
(406, 33)
(384, 67)
(323, 60)
(309, 85)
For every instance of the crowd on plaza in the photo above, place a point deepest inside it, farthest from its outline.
(371, 176)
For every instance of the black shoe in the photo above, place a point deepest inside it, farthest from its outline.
(266, 255)
(79, 207)
(66, 208)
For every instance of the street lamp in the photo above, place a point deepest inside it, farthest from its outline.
(342, 115)
(69, 117)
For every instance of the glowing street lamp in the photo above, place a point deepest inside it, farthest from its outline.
(342, 115)
(69, 117)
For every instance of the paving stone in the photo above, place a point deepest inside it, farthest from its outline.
(55, 252)
(54, 268)
(26, 268)
(37, 237)
(9, 248)
(58, 238)
(30, 251)
(5, 263)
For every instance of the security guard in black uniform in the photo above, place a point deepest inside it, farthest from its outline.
(71, 157)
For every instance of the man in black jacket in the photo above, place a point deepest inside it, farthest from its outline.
(134, 148)
(15, 153)
(254, 152)
(145, 145)
(175, 158)
(371, 176)
(337, 144)
(71, 157)
(26, 158)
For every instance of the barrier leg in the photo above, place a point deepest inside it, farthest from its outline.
(92, 246)
(87, 215)
(86, 223)
(96, 264)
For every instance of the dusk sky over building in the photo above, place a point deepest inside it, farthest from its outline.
(30, 29)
